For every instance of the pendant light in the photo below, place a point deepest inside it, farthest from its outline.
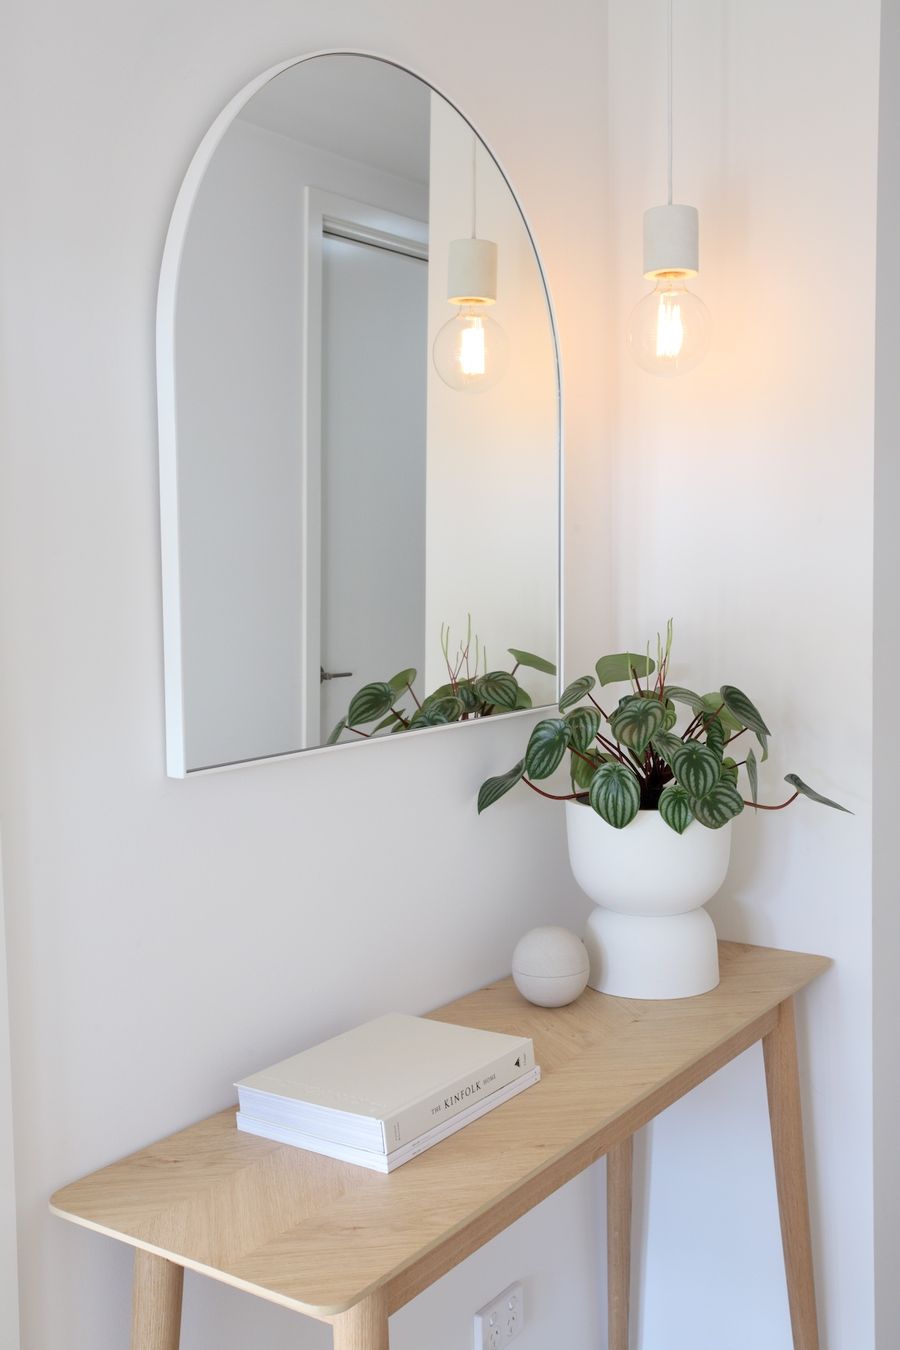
(669, 330)
(470, 352)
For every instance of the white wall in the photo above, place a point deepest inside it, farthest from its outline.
(9, 1292)
(167, 936)
(137, 907)
(239, 354)
(492, 536)
(886, 910)
(742, 504)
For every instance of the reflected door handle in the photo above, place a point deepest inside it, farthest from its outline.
(333, 674)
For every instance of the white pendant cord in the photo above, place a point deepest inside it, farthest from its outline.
(669, 85)
(474, 184)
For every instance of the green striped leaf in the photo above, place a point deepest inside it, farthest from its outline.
(533, 662)
(584, 766)
(391, 718)
(546, 746)
(583, 724)
(813, 796)
(636, 721)
(713, 703)
(666, 745)
(576, 691)
(372, 701)
(694, 701)
(719, 806)
(336, 733)
(697, 768)
(675, 808)
(715, 737)
(740, 707)
(753, 775)
(498, 688)
(615, 794)
(671, 712)
(437, 712)
(729, 771)
(494, 788)
(465, 692)
(402, 679)
(611, 669)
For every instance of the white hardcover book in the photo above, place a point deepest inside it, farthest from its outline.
(386, 1082)
(387, 1162)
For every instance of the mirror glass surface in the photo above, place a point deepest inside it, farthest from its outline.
(333, 505)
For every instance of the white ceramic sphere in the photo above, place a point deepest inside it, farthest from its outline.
(550, 967)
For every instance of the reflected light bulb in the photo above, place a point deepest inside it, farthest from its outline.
(471, 350)
(669, 330)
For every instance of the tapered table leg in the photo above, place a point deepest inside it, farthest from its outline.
(156, 1302)
(364, 1327)
(619, 1167)
(785, 1117)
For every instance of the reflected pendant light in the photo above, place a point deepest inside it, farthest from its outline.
(669, 330)
(470, 352)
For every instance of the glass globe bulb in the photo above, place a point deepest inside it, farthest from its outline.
(471, 351)
(669, 330)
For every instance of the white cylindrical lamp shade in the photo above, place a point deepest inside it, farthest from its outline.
(472, 272)
(671, 241)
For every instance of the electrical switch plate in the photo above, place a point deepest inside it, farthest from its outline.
(500, 1320)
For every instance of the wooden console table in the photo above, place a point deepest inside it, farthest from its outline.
(349, 1246)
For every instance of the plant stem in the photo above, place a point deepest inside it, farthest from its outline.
(400, 718)
(736, 734)
(613, 749)
(758, 806)
(599, 709)
(552, 796)
(695, 721)
(412, 691)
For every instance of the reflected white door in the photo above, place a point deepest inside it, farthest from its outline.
(374, 354)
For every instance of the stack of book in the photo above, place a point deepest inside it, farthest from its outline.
(386, 1091)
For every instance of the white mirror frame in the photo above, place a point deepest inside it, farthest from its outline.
(176, 766)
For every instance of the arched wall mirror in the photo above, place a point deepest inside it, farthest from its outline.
(351, 489)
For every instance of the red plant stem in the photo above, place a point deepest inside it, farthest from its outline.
(552, 796)
(412, 691)
(365, 734)
(597, 706)
(758, 806)
(736, 734)
(614, 749)
(399, 716)
(695, 721)
(515, 668)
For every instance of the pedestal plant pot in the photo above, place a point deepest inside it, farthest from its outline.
(649, 936)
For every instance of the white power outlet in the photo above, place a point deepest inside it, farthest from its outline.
(500, 1320)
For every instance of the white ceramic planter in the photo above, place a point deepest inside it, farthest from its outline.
(650, 936)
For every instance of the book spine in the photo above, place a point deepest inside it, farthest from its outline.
(407, 1124)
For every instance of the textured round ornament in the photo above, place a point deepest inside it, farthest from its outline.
(550, 966)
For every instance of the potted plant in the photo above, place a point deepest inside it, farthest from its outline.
(385, 707)
(655, 786)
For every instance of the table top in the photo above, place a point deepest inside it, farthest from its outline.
(318, 1235)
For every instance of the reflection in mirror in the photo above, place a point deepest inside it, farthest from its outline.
(360, 512)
